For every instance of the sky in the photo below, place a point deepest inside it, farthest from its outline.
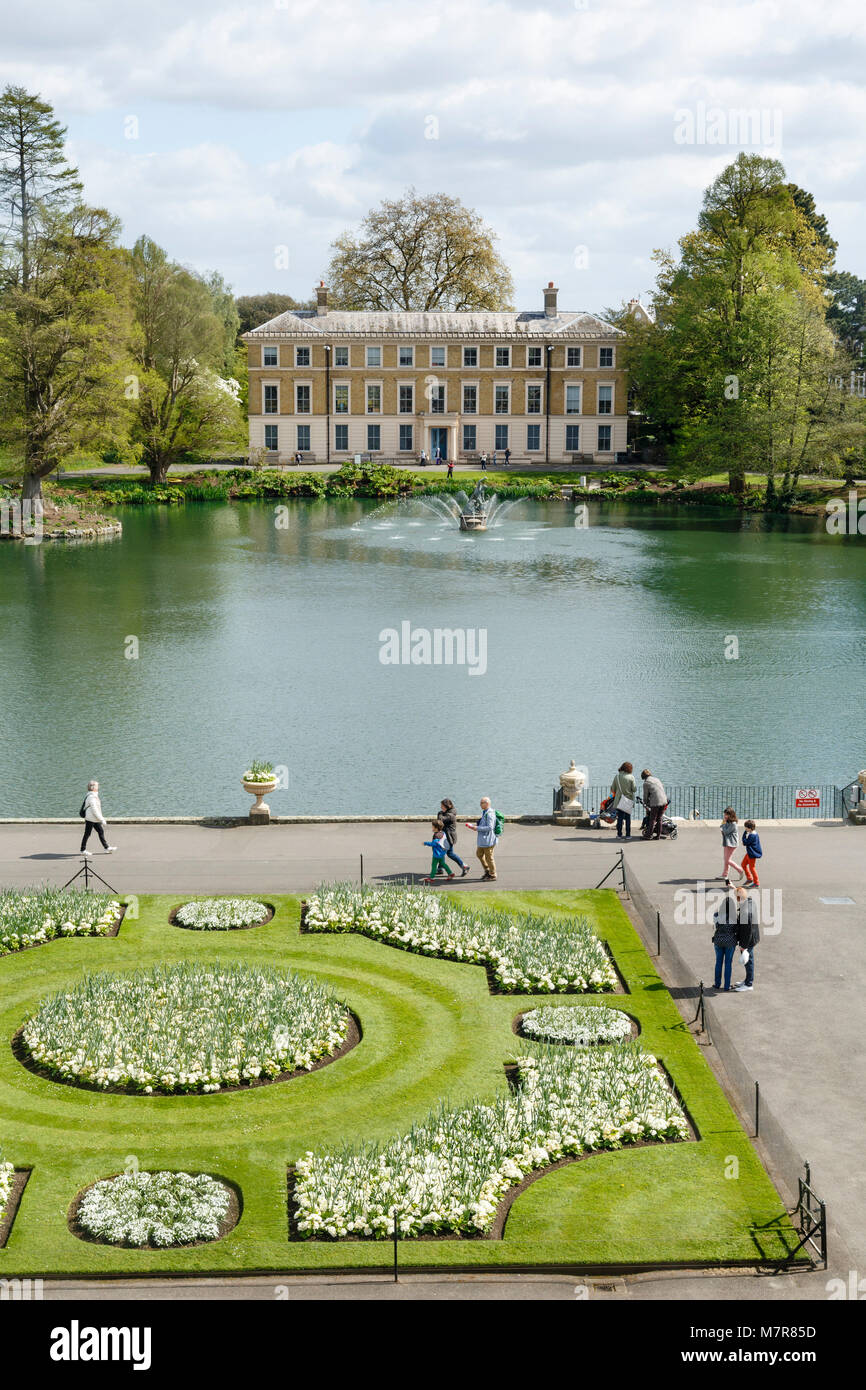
(245, 137)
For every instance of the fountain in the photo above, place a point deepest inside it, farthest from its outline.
(475, 513)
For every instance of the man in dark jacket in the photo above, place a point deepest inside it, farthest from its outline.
(748, 937)
(655, 800)
(726, 925)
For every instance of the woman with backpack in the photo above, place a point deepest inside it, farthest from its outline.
(449, 825)
(623, 789)
(91, 814)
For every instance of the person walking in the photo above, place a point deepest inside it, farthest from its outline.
(655, 800)
(748, 937)
(449, 825)
(91, 811)
(730, 840)
(623, 789)
(752, 846)
(450, 468)
(423, 458)
(493, 460)
(507, 457)
(484, 463)
(485, 827)
(726, 927)
(439, 846)
(437, 457)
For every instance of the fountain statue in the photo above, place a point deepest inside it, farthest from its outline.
(474, 516)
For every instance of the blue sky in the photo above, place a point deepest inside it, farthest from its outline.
(583, 131)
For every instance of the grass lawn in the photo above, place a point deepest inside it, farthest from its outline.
(431, 1030)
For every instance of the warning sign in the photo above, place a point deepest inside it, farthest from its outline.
(807, 796)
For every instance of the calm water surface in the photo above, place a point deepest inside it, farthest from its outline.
(604, 642)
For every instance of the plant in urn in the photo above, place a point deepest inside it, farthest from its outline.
(258, 780)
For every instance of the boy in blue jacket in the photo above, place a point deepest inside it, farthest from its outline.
(439, 845)
(752, 846)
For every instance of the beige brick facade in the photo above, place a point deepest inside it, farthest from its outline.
(332, 384)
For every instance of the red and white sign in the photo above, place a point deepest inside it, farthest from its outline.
(807, 796)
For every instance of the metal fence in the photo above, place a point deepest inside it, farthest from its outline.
(765, 802)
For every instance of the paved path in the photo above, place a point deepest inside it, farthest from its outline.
(800, 1034)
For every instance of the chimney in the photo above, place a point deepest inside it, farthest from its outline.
(321, 298)
(550, 300)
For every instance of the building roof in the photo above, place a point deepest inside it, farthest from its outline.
(479, 323)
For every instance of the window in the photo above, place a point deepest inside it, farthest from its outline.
(374, 400)
(374, 437)
(604, 439)
(533, 357)
(503, 357)
(341, 357)
(533, 438)
(605, 400)
(501, 441)
(572, 357)
(572, 438)
(405, 437)
(407, 400)
(374, 357)
(470, 436)
(405, 357)
(341, 400)
(437, 357)
(437, 400)
(302, 357)
(272, 400)
(272, 436)
(302, 397)
(572, 400)
(533, 400)
(500, 400)
(341, 437)
(303, 436)
(470, 357)
(270, 357)
(470, 400)
(605, 357)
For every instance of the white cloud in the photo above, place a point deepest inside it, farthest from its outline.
(555, 122)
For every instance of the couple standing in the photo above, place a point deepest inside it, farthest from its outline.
(623, 789)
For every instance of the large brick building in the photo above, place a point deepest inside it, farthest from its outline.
(331, 384)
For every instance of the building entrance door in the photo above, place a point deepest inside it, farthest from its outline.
(438, 440)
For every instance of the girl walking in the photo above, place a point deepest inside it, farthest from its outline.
(730, 840)
(448, 820)
(439, 846)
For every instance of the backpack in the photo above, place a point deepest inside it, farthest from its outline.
(498, 823)
(82, 813)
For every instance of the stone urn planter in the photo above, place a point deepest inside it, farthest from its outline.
(857, 814)
(260, 812)
(571, 812)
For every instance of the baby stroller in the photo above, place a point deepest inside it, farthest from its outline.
(668, 827)
(605, 815)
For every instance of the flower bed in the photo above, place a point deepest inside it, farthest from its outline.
(525, 953)
(577, 1026)
(29, 916)
(449, 1173)
(221, 914)
(155, 1209)
(185, 1027)
(7, 1173)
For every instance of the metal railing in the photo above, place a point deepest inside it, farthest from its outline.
(762, 802)
(810, 1219)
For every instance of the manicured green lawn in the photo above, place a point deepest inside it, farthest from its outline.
(431, 1030)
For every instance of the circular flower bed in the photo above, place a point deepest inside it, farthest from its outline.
(221, 914)
(185, 1027)
(156, 1209)
(580, 1026)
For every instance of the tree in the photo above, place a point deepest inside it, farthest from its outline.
(420, 253)
(846, 311)
(182, 402)
(63, 342)
(256, 309)
(735, 367)
(33, 172)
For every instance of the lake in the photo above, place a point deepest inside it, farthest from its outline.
(258, 634)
